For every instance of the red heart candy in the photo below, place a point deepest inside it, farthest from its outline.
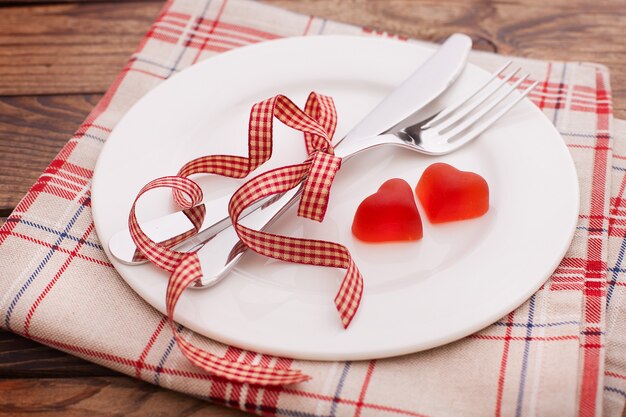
(388, 215)
(448, 194)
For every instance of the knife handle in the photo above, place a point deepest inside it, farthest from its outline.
(123, 248)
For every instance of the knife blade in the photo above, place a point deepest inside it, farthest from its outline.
(431, 79)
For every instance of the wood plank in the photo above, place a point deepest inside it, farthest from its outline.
(32, 131)
(102, 396)
(23, 358)
(559, 29)
(69, 48)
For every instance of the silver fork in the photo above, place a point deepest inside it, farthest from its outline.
(447, 131)
(456, 125)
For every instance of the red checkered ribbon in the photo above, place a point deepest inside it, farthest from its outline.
(195, 215)
(318, 123)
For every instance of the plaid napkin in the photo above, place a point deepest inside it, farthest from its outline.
(559, 354)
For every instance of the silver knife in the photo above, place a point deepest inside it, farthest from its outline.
(431, 79)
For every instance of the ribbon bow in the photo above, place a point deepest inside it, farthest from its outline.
(318, 122)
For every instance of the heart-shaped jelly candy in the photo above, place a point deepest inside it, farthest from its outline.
(388, 215)
(448, 194)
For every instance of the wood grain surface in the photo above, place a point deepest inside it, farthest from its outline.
(32, 130)
(22, 358)
(100, 396)
(57, 58)
(68, 48)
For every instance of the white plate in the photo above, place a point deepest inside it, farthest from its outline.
(460, 278)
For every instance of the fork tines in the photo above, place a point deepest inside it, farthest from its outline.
(467, 119)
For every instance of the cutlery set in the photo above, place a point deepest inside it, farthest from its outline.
(441, 132)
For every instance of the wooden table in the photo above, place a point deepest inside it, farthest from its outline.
(58, 58)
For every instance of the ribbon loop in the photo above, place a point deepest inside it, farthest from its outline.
(160, 254)
(316, 191)
(322, 109)
(195, 215)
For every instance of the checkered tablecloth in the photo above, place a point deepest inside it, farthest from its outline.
(562, 353)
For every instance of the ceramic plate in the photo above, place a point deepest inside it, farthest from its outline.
(458, 279)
